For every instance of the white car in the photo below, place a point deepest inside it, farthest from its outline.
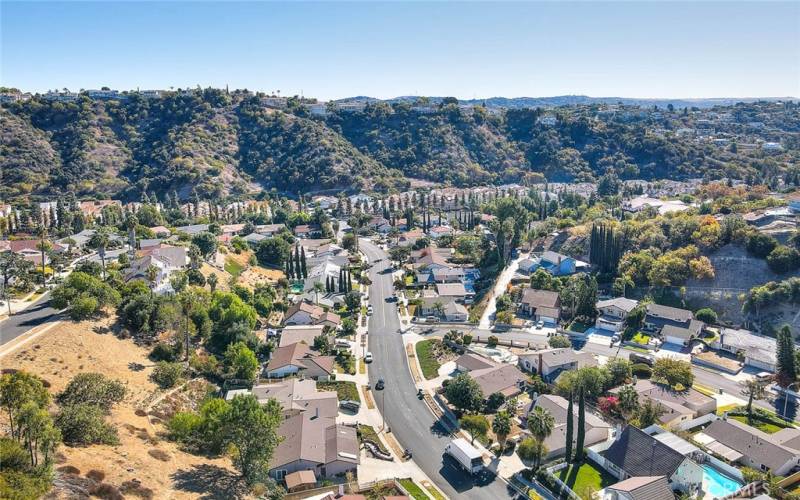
(368, 357)
(540, 325)
(369, 310)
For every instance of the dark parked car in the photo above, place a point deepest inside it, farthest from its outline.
(379, 385)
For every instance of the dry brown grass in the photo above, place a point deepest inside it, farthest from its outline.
(255, 275)
(71, 348)
(223, 277)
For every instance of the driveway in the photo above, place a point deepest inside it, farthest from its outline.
(409, 419)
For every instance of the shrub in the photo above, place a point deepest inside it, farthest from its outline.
(166, 374)
(183, 426)
(12, 455)
(557, 341)
(84, 424)
(706, 315)
(164, 352)
(641, 370)
(492, 342)
(93, 389)
(467, 339)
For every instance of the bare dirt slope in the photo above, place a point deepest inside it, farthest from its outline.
(144, 464)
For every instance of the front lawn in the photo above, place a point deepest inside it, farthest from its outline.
(413, 490)
(345, 391)
(367, 432)
(427, 359)
(586, 479)
(770, 427)
(233, 267)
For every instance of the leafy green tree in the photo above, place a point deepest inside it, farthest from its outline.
(559, 341)
(619, 371)
(38, 433)
(628, 401)
(273, 252)
(18, 389)
(232, 319)
(99, 241)
(674, 372)
(206, 242)
(251, 430)
(593, 379)
(241, 362)
(649, 413)
(531, 450)
(783, 259)
(83, 295)
(94, 389)
(706, 315)
(464, 393)
(753, 389)
(760, 244)
(212, 281)
(476, 425)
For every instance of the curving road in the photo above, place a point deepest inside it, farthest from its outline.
(409, 419)
(32, 316)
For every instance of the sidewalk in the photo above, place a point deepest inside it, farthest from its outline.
(499, 288)
(18, 305)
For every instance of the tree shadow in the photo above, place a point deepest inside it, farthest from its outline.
(210, 482)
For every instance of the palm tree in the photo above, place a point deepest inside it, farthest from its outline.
(501, 426)
(100, 241)
(753, 389)
(540, 423)
(318, 287)
(628, 401)
(212, 281)
(151, 274)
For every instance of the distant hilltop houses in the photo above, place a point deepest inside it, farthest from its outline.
(67, 96)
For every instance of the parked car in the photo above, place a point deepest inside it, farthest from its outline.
(647, 359)
(342, 344)
(539, 325)
(368, 357)
(764, 376)
(350, 405)
(379, 385)
(369, 310)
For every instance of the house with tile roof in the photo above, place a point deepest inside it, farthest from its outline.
(299, 359)
(636, 454)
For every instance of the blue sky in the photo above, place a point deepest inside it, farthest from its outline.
(333, 50)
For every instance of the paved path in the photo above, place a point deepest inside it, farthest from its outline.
(409, 419)
(499, 288)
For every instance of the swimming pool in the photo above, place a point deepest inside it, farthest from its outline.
(718, 484)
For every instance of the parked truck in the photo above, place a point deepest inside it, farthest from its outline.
(466, 455)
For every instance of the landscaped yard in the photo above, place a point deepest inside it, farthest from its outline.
(367, 432)
(413, 490)
(641, 338)
(427, 358)
(586, 479)
(763, 425)
(345, 391)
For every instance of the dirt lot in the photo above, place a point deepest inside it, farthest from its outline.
(223, 278)
(145, 464)
(255, 275)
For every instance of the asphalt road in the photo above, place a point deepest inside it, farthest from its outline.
(409, 419)
(34, 315)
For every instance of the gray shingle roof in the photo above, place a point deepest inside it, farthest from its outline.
(641, 455)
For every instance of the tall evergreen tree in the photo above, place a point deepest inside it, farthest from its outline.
(290, 268)
(787, 364)
(349, 281)
(581, 431)
(303, 262)
(569, 437)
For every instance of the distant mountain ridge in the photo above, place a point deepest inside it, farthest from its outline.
(575, 100)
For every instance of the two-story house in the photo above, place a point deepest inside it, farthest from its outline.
(613, 313)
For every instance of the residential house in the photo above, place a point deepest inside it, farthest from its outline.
(308, 231)
(455, 290)
(596, 430)
(161, 231)
(164, 259)
(270, 229)
(317, 444)
(663, 207)
(527, 266)
(541, 305)
(676, 326)
(557, 264)
(192, 229)
(635, 454)
(449, 275)
(29, 250)
(299, 359)
(469, 361)
(447, 309)
(676, 406)
(437, 232)
(306, 313)
(757, 351)
(301, 333)
(639, 488)
(737, 442)
(93, 209)
(501, 378)
(613, 313)
(325, 202)
(550, 363)
(255, 238)
(295, 396)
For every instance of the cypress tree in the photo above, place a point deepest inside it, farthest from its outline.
(340, 281)
(303, 262)
(290, 268)
(787, 365)
(349, 281)
(570, 424)
(581, 427)
(297, 265)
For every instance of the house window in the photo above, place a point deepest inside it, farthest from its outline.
(280, 474)
(763, 467)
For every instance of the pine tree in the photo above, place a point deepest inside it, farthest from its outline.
(569, 437)
(579, 442)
